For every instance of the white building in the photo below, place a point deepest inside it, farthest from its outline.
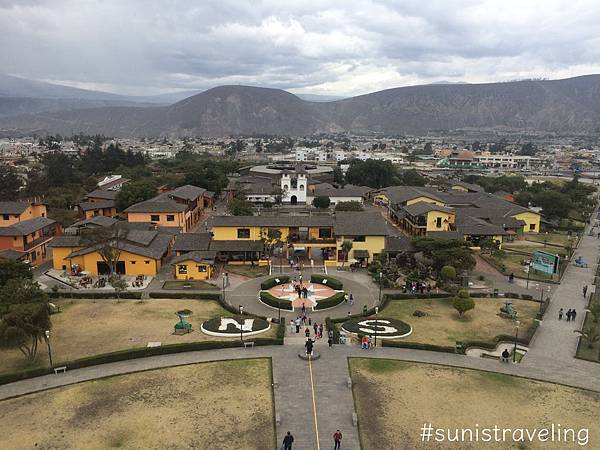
(294, 186)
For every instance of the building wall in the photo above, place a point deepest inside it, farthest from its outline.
(424, 199)
(134, 264)
(193, 271)
(59, 255)
(147, 217)
(31, 212)
(108, 212)
(529, 218)
(374, 244)
(432, 217)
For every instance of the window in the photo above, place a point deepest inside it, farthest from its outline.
(359, 239)
(182, 269)
(132, 262)
(532, 227)
(202, 269)
(438, 222)
(5, 216)
(324, 233)
(147, 261)
(154, 218)
(243, 233)
(170, 218)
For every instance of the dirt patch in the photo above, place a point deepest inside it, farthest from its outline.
(394, 399)
(86, 327)
(221, 405)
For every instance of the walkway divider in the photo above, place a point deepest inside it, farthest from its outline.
(312, 389)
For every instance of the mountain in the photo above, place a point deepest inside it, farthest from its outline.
(566, 106)
(319, 97)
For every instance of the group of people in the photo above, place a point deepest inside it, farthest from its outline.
(366, 342)
(570, 314)
(288, 440)
(302, 291)
(417, 287)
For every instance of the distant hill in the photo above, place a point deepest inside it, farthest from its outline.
(566, 106)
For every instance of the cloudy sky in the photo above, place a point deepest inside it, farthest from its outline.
(321, 47)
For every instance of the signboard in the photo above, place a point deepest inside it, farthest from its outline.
(545, 262)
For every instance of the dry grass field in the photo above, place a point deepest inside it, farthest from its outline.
(91, 327)
(394, 399)
(220, 405)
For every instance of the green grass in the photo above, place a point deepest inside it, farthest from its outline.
(561, 239)
(512, 262)
(247, 270)
(532, 248)
(377, 365)
(191, 285)
(584, 352)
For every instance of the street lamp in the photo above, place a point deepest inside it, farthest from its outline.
(376, 314)
(241, 323)
(47, 338)
(223, 287)
(380, 280)
(517, 323)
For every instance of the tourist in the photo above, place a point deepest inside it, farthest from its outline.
(330, 341)
(370, 342)
(364, 342)
(287, 441)
(351, 300)
(316, 328)
(305, 292)
(346, 297)
(309, 321)
(320, 331)
(511, 278)
(303, 308)
(573, 314)
(297, 325)
(337, 439)
(330, 334)
(585, 288)
(307, 332)
(309, 346)
(560, 314)
(349, 314)
(568, 315)
(292, 325)
(505, 356)
(300, 278)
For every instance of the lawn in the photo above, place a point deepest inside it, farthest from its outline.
(561, 239)
(393, 400)
(584, 351)
(220, 405)
(512, 263)
(191, 285)
(442, 326)
(532, 248)
(86, 327)
(247, 270)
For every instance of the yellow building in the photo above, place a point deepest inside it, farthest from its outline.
(196, 265)
(15, 212)
(107, 208)
(424, 217)
(142, 252)
(180, 208)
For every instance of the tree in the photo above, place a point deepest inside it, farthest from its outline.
(591, 335)
(554, 204)
(446, 252)
(448, 273)
(108, 243)
(338, 175)
(24, 316)
(412, 178)
(528, 149)
(10, 183)
(463, 302)
(346, 247)
(428, 149)
(321, 202)
(372, 173)
(135, 192)
(240, 207)
(595, 311)
(271, 239)
(10, 270)
(349, 206)
(119, 286)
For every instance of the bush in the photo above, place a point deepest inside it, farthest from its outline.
(275, 302)
(190, 295)
(463, 303)
(330, 302)
(417, 346)
(94, 295)
(331, 282)
(268, 284)
(448, 273)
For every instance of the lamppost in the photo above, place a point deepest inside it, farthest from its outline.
(241, 323)
(47, 338)
(517, 323)
(376, 315)
(380, 282)
(223, 287)
(528, 272)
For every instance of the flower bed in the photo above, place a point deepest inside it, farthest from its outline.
(234, 326)
(268, 284)
(333, 283)
(384, 327)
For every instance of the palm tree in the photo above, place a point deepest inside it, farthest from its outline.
(346, 247)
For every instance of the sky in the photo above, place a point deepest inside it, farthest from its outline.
(340, 48)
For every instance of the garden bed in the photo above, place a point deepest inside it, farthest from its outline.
(181, 285)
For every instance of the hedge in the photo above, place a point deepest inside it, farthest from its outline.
(417, 346)
(268, 284)
(95, 295)
(190, 295)
(330, 302)
(275, 302)
(142, 352)
(331, 282)
(331, 327)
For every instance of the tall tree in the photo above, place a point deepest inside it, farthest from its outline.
(135, 192)
(10, 183)
(10, 270)
(108, 243)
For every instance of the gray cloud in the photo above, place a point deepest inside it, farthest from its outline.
(329, 47)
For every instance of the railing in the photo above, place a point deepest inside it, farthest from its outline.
(37, 242)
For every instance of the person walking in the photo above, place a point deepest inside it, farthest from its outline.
(309, 346)
(320, 331)
(560, 314)
(330, 341)
(585, 288)
(288, 440)
(316, 328)
(337, 439)
(292, 325)
(573, 314)
(297, 325)
(568, 315)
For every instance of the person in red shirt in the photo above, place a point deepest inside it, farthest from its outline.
(337, 438)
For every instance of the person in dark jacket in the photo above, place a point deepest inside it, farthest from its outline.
(288, 440)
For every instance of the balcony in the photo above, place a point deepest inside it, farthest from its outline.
(305, 239)
(38, 241)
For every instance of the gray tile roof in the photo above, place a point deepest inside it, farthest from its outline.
(101, 221)
(445, 235)
(100, 193)
(401, 194)
(363, 223)
(273, 221)
(187, 192)
(13, 207)
(157, 206)
(143, 237)
(26, 226)
(187, 242)
(156, 249)
(90, 206)
(239, 246)
(419, 208)
(11, 255)
(476, 226)
(196, 256)
(348, 190)
(65, 241)
(395, 244)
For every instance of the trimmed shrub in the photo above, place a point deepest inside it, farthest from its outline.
(268, 284)
(190, 295)
(448, 273)
(330, 302)
(127, 295)
(417, 346)
(463, 303)
(275, 302)
(327, 281)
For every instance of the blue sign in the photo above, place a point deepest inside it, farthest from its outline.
(545, 262)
